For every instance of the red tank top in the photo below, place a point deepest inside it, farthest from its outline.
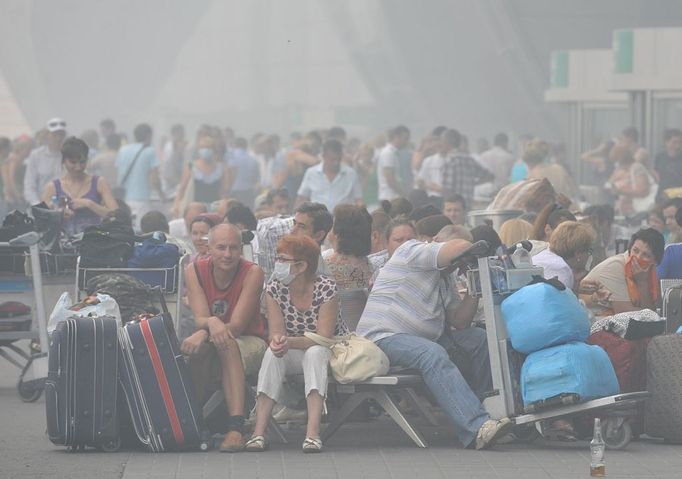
(221, 302)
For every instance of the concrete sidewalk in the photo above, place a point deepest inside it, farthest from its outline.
(371, 450)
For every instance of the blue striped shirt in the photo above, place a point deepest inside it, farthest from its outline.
(409, 295)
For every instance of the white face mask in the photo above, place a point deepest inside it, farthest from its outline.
(282, 273)
(588, 263)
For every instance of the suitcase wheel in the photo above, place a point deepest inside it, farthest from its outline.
(203, 446)
(111, 446)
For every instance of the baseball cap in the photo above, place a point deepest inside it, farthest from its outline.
(56, 124)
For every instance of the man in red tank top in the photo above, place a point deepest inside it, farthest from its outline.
(224, 293)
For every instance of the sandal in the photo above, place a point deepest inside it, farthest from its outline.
(312, 445)
(256, 444)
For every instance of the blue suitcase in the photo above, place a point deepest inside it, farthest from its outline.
(577, 371)
(81, 385)
(157, 387)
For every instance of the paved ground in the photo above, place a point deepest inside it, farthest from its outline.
(374, 450)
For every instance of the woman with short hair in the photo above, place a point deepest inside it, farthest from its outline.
(351, 237)
(569, 252)
(298, 301)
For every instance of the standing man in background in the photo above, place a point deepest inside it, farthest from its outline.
(138, 172)
(388, 165)
(44, 164)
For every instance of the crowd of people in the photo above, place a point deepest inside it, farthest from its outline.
(329, 215)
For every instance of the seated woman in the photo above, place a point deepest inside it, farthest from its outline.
(569, 252)
(351, 239)
(199, 229)
(514, 231)
(297, 301)
(85, 199)
(630, 277)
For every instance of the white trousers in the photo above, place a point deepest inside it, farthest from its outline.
(313, 363)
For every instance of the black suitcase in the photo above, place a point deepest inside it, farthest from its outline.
(158, 390)
(81, 385)
(672, 308)
(663, 410)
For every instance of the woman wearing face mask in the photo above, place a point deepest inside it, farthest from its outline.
(569, 254)
(85, 199)
(204, 180)
(297, 300)
(630, 277)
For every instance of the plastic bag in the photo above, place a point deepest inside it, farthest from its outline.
(105, 306)
(539, 316)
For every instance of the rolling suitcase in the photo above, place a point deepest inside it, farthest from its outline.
(82, 382)
(672, 308)
(663, 410)
(156, 383)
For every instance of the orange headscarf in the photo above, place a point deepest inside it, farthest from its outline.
(633, 292)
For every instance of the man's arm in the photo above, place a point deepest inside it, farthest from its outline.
(304, 191)
(31, 193)
(450, 250)
(155, 181)
(462, 314)
(248, 303)
(197, 299)
(482, 174)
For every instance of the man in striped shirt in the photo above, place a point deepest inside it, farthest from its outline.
(411, 306)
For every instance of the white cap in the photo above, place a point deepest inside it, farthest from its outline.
(56, 124)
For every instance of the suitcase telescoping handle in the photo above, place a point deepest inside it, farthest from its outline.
(165, 313)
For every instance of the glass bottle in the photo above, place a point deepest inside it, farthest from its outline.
(597, 447)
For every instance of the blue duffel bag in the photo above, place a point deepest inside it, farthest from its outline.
(573, 368)
(540, 315)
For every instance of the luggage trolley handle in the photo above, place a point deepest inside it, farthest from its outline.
(165, 313)
(22, 241)
(471, 254)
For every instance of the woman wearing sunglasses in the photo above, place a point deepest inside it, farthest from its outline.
(298, 301)
(85, 199)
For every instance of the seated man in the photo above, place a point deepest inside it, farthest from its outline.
(224, 293)
(412, 307)
(671, 266)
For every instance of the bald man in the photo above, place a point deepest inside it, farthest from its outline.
(224, 292)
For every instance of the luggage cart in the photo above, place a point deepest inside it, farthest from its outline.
(493, 282)
(170, 280)
(34, 368)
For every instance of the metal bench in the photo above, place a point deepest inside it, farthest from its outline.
(378, 388)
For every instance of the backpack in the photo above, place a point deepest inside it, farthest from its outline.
(132, 295)
(155, 254)
(16, 223)
(107, 245)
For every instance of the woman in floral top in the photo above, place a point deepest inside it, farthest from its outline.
(351, 238)
(298, 301)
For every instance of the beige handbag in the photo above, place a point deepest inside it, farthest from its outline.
(354, 358)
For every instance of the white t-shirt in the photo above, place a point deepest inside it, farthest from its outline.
(431, 171)
(554, 265)
(388, 158)
(500, 162)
